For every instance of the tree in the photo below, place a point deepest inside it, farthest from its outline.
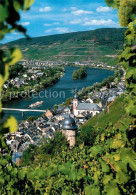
(28, 155)
(75, 75)
(87, 136)
(127, 18)
(12, 181)
(78, 74)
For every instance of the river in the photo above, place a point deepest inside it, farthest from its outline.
(57, 93)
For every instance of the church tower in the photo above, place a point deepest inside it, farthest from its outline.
(75, 104)
(69, 130)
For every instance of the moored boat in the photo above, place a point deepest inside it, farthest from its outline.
(38, 103)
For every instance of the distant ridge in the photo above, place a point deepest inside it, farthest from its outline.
(93, 45)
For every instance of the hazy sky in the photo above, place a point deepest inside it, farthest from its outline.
(63, 16)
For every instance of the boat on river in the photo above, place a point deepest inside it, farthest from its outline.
(38, 103)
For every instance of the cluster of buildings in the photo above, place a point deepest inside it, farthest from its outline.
(23, 80)
(108, 95)
(94, 65)
(55, 120)
(65, 118)
(39, 63)
(47, 125)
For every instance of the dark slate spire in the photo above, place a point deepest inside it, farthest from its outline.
(69, 124)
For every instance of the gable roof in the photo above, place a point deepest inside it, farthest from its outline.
(88, 106)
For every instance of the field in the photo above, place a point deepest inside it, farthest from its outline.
(101, 45)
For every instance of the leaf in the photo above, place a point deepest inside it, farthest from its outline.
(64, 168)
(3, 13)
(73, 175)
(22, 174)
(111, 189)
(28, 3)
(102, 137)
(52, 170)
(96, 150)
(105, 167)
(15, 56)
(129, 156)
(92, 190)
(107, 179)
(116, 157)
(9, 168)
(130, 72)
(3, 31)
(64, 192)
(117, 144)
(2, 181)
(121, 177)
(3, 162)
(81, 173)
(81, 146)
(14, 172)
(11, 124)
(0, 106)
(17, 5)
(96, 177)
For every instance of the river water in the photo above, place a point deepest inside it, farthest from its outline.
(57, 93)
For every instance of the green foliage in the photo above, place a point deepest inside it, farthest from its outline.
(12, 181)
(28, 155)
(102, 162)
(8, 9)
(86, 136)
(49, 77)
(112, 115)
(107, 167)
(14, 70)
(126, 10)
(31, 118)
(104, 165)
(44, 151)
(79, 74)
(128, 61)
(92, 45)
(127, 14)
(8, 24)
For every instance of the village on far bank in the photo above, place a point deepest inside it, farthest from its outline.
(34, 69)
(82, 106)
(33, 75)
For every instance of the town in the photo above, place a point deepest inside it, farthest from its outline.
(26, 80)
(33, 75)
(81, 107)
(39, 63)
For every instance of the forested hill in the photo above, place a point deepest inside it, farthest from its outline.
(95, 45)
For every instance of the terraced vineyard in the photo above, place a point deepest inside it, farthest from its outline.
(101, 45)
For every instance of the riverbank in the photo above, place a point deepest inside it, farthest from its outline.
(47, 125)
(57, 93)
(93, 65)
(29, 86)
(117, 75)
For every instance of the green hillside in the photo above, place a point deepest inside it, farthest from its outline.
(92, 45)
(102, 162)
(112, 115)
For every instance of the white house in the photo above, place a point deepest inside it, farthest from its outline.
(79, 108)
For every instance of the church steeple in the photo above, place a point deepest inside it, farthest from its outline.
(75, 103)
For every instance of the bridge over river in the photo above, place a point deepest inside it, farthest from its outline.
(63, 89)
(23, 110)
